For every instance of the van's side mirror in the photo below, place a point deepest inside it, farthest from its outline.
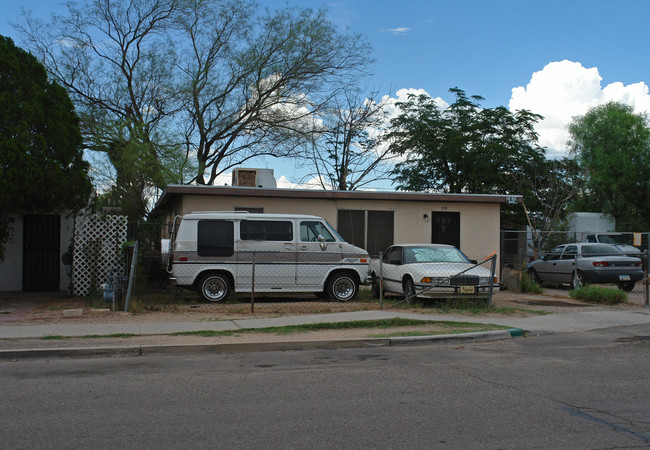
(323, 244)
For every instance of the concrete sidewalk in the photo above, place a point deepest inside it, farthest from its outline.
(542, 324)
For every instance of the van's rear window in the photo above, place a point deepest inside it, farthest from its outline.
(265, 230)
(215, 238)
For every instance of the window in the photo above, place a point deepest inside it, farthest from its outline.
(215, 238)
(380, 231)
(351, 225)
(570, 252)
(393, 256)
(265, 230)
(372, 230)
(309, 232)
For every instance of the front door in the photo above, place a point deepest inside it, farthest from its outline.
(41, 252)
(445, 228)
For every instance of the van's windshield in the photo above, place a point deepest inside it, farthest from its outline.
(336, 233)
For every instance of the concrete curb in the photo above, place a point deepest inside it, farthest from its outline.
(151, 350)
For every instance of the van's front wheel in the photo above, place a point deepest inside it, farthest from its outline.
(214, 287)
(342, 287)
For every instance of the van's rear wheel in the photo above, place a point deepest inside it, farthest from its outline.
(214, 287)
(342, 287)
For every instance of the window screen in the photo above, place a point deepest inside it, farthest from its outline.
(215, 238)
(380, 231)
(265, 230)
(351, 226)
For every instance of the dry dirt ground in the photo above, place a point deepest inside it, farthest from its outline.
(21, 309)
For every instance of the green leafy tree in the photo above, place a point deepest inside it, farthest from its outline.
(224, 82)
(113, 59)
(462, 148)
(612, 145)
(41, 165)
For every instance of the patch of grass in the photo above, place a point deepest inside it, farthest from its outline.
(53, 337)
(56, 337)
(598, 294)
(5, 312)
(383, 323)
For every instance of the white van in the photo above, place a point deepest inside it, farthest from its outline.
(219, 252)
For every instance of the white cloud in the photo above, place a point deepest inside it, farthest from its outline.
(565, 89)
(397, 30)
(284, 183)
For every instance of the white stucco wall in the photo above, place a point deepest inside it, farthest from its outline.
(11, 269)
(479, 222)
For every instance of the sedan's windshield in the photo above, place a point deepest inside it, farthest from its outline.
(433, 254)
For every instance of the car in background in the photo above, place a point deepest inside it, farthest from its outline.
(620, 240)
(429, 270)
(581, 263)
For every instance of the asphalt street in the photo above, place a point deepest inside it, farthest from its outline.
(562, 390)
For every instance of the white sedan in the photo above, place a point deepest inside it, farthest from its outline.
(429, 270)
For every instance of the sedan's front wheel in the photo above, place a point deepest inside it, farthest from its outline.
(409, 290)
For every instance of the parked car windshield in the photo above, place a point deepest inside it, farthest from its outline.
(601, 249)
(433, 254)
(615, 239)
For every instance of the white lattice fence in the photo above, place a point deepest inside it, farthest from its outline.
(97, 250)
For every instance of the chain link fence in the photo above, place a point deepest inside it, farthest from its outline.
(326, 272)
(519, 248)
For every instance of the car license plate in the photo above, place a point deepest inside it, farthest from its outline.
(467, 289)
(624, 278)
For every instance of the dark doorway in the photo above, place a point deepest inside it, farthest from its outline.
(41, 252)
(445, 228)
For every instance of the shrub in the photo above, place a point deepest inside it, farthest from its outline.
(527, 285)
(599, 294)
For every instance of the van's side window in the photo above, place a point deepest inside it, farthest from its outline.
(265, 230)
(215, 238)
(309, 232)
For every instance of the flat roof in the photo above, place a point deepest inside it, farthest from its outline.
(175, 190)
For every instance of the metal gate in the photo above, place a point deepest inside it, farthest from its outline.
(41, 252)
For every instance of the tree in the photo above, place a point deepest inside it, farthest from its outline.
(112, 59)
(612, 145)
(461, 148)
(548, 188)
(212, 78)
(41, 165)
(346, 153)
(252, 84)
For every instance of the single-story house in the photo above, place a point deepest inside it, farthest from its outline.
(369, 219)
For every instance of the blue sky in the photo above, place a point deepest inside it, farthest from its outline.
(556, 58)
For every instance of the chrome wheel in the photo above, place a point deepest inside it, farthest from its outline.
(214, 287)
(578, 280)
(342, 288)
